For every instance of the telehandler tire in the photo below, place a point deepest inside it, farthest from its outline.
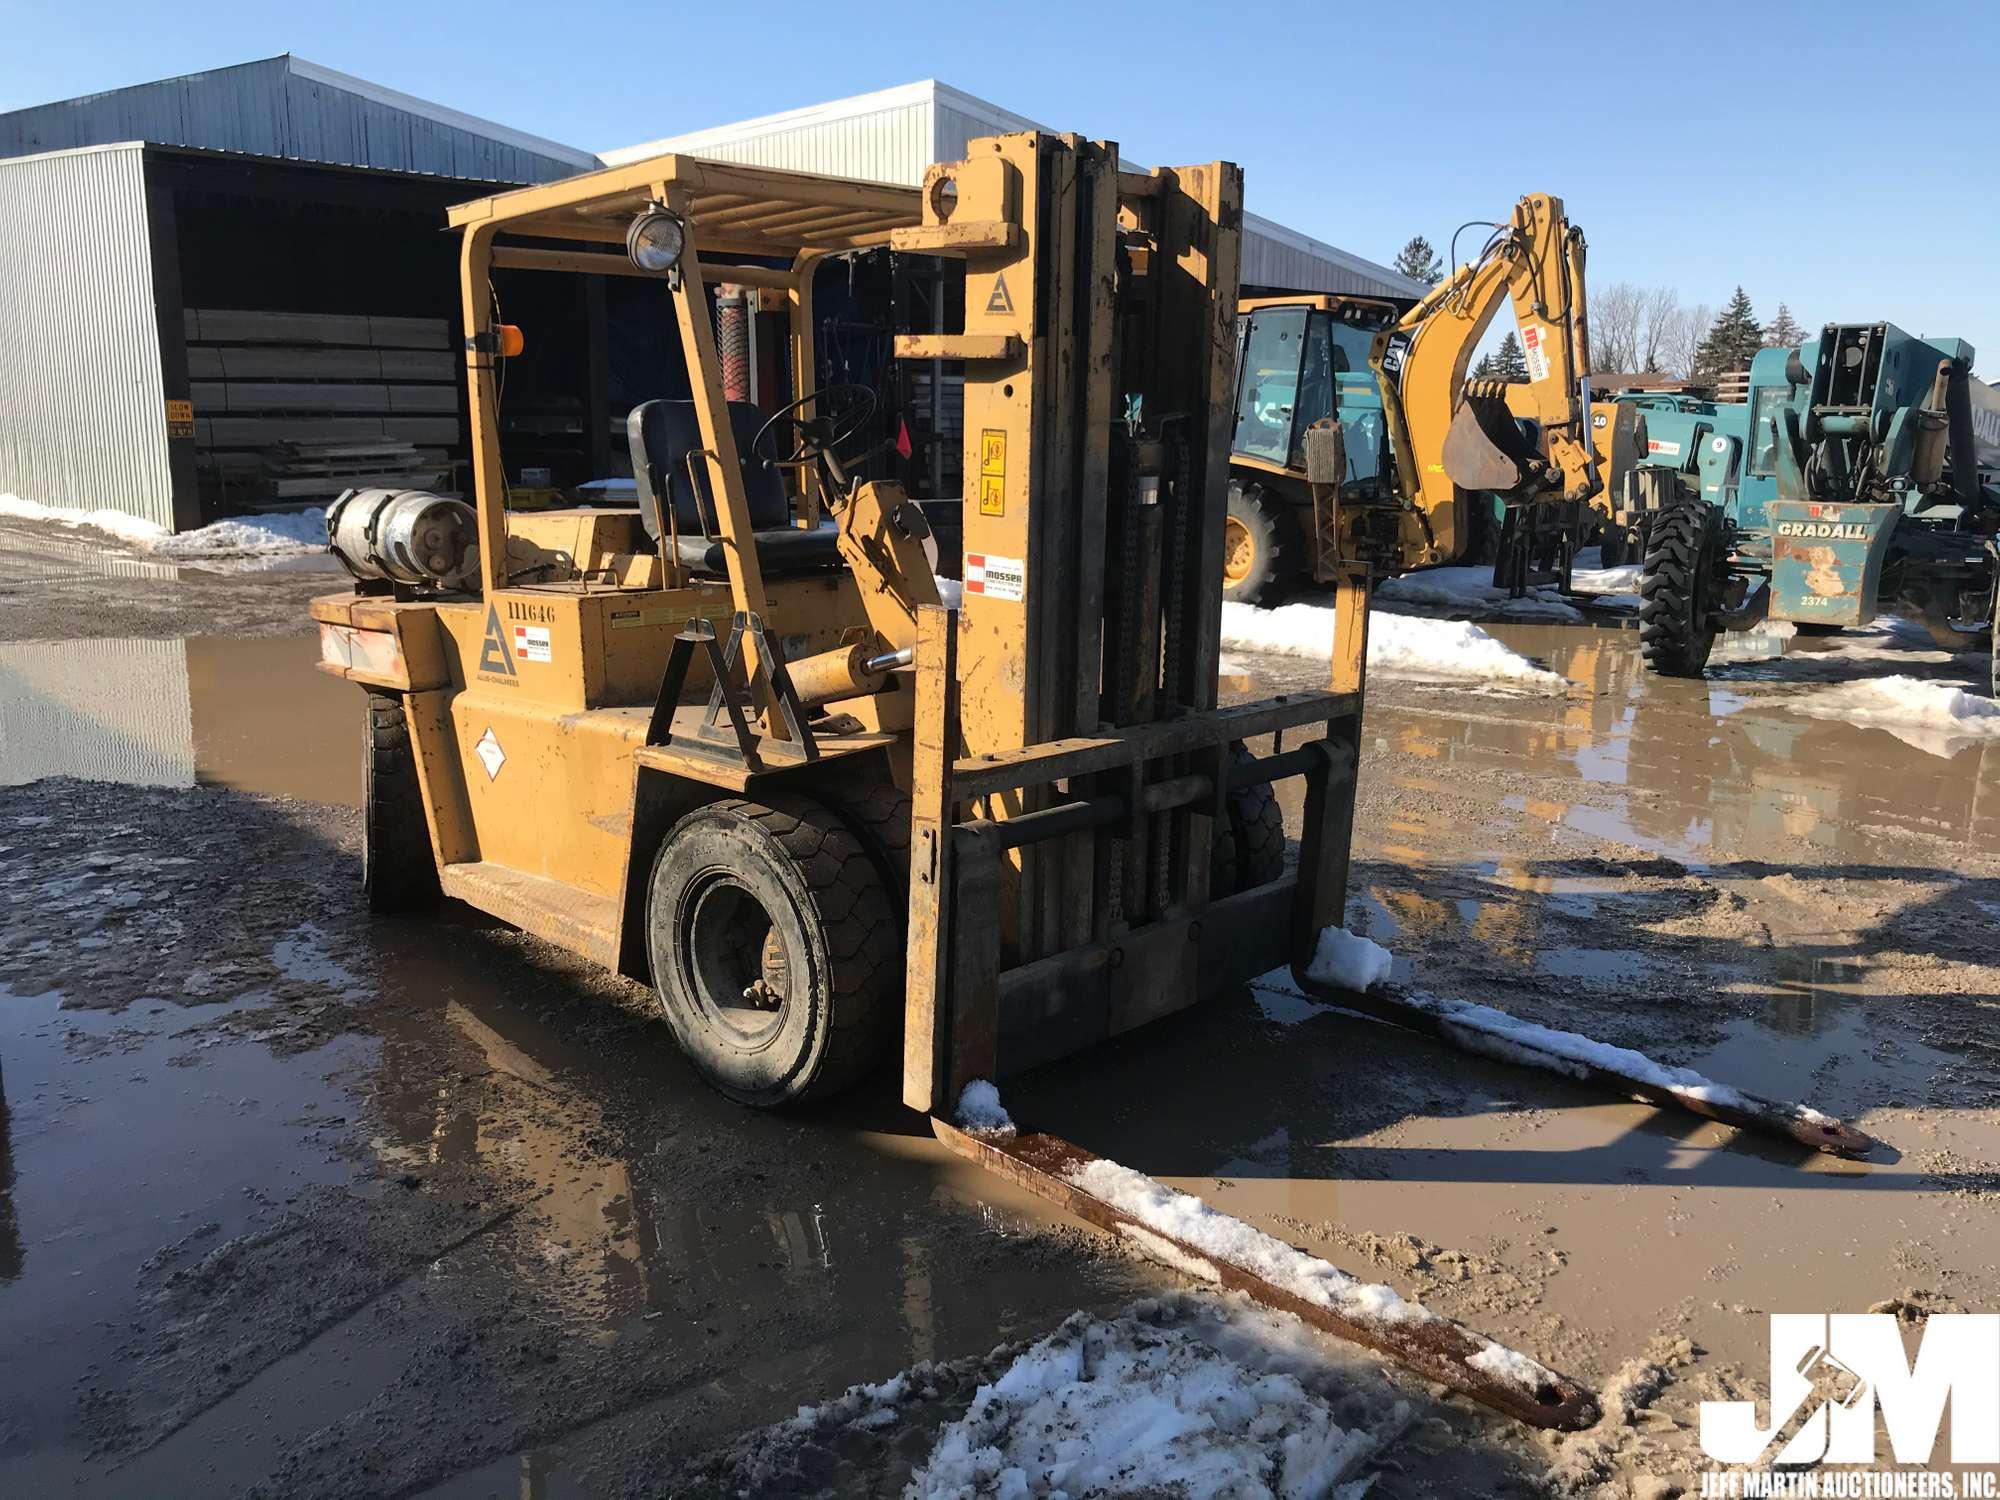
(1680, 588)
(398, 870)
(776, 949)
(1263, 548)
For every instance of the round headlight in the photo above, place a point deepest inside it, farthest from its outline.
(655, 240)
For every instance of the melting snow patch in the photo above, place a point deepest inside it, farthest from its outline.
(1933, 710)
(298, 531)
(116, 522)
(1473, 590)
(981, 1112)
(1512, 1366)
(292, 531)
(1130, 1407)
(1348, 960)
(1186, 1219)
(1407, 644)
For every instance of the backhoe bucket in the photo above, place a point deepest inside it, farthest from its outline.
(1485, 450)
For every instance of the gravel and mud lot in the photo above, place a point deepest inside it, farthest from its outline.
(296, 1202)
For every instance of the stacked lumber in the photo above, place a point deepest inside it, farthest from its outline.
(319, 471)
(294, 407)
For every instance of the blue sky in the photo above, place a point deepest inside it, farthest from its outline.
(1838, 156)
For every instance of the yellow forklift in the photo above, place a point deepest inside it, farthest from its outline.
(733, 739)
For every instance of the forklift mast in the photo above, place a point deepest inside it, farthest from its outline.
(1070, 759)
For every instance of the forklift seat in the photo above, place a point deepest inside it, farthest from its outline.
(662, 434)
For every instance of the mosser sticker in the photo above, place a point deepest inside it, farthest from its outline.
(1537, 356)
(1662, 445)
(531, 643)
(996, 577)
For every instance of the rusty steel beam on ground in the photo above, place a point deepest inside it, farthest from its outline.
(1435, 1347)
(1793, 1122)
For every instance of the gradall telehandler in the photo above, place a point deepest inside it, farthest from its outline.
(733, 742)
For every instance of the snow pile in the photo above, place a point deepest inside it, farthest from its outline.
(298, 531)
(981, 1112)
(1938, 708)
(116, 522)
(1129, 1408)
(292, 531)
(1350, 961)
(1184, 1217)
(1406, 644)
(1472, 590)
(1622, 581)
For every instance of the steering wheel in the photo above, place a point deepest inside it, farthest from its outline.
(842, 411)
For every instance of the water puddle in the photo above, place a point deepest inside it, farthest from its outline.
(249, 715)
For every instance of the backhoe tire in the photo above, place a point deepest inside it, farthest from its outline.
(1263, 547)
(398, 871)
(1680, 588)
(776, 949)
(1250, 850)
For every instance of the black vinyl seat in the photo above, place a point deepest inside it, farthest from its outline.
(662, 434)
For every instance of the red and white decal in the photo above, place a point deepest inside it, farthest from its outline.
(531, 643)
(996, 577)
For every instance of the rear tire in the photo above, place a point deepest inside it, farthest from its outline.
(1681, 587)
(776, 949)
(398, 870)
(1263, 550)
(1249, 848)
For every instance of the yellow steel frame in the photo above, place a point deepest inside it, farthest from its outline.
(732, 211)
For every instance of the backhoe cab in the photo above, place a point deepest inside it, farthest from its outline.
(1447, 454)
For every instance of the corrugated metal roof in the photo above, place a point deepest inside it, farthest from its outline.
(893, 134)
(82, 410)
(288, 107)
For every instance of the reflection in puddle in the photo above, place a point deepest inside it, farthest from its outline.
(251, 715)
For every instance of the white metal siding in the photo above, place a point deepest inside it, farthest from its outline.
(82, 408)
(286, 107)
(886, 145)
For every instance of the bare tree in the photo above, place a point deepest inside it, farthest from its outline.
(1633, 328)
(1684, 338)
(1614, 327)
(1659, 310)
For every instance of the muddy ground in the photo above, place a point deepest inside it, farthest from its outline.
(295, 1202)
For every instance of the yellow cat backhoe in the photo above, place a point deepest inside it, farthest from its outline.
(1446, 452)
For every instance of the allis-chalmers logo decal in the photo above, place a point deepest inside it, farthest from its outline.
(1830, 1376)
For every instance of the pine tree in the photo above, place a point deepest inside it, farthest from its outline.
(1484, 369)
(1509, 362)
(1418, 261)
(1784, 331)
(1732, 339)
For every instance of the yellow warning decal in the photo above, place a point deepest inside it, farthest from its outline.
(180, 419)
(1000, 301)
(992, 471)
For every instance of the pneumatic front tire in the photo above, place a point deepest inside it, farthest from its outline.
(1263, 547)
(398, 871)
(1680, 588)
(776, 949)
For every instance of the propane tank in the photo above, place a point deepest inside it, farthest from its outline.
(403, 536)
